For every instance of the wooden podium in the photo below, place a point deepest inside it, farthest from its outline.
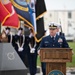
(56, 59)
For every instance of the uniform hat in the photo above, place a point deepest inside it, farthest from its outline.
(52, 26)
(7, 28)
(20, 28)
(59, 25)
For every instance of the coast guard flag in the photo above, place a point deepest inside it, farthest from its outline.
(31, 15)
(21, 7)
(40, 11)
(31, 6)
(4, 13)
(12, 20)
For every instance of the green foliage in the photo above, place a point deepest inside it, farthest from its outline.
(38, 61)
(72, 64)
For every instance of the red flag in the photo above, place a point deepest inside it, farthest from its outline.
(4, 13)
(13, 20)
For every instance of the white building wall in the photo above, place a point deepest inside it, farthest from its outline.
(61, 16)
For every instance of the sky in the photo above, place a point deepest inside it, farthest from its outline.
(60, 4)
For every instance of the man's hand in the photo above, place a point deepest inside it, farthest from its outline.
(72, 53)
(38, 52)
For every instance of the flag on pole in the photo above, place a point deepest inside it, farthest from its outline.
(21, 7)
(12, 20)
(40, 29)
(40, 8)
(40, 11)
(31, 6)
(28, 13)
(4, 13)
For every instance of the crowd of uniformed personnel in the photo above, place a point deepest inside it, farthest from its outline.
(24, 45)
(28, 49)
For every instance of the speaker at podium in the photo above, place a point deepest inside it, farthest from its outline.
(10, 62)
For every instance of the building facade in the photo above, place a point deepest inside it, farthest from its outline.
(64, 17)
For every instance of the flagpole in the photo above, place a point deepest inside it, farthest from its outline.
(61, 25)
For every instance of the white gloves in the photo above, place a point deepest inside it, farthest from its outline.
(20, 49)
(7, 31)
(31, 34)
(32, 50)
(19, 32)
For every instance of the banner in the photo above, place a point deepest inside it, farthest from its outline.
(21, 7)
(4, 13)
(31, 6)
(32, 14)
(40, 11)
(12, 20)
(40, 8)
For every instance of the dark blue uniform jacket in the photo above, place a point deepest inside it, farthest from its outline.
(58, 42)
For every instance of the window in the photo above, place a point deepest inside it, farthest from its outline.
(69, 14)
(50, 15)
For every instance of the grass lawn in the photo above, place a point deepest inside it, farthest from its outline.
(71, 64)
